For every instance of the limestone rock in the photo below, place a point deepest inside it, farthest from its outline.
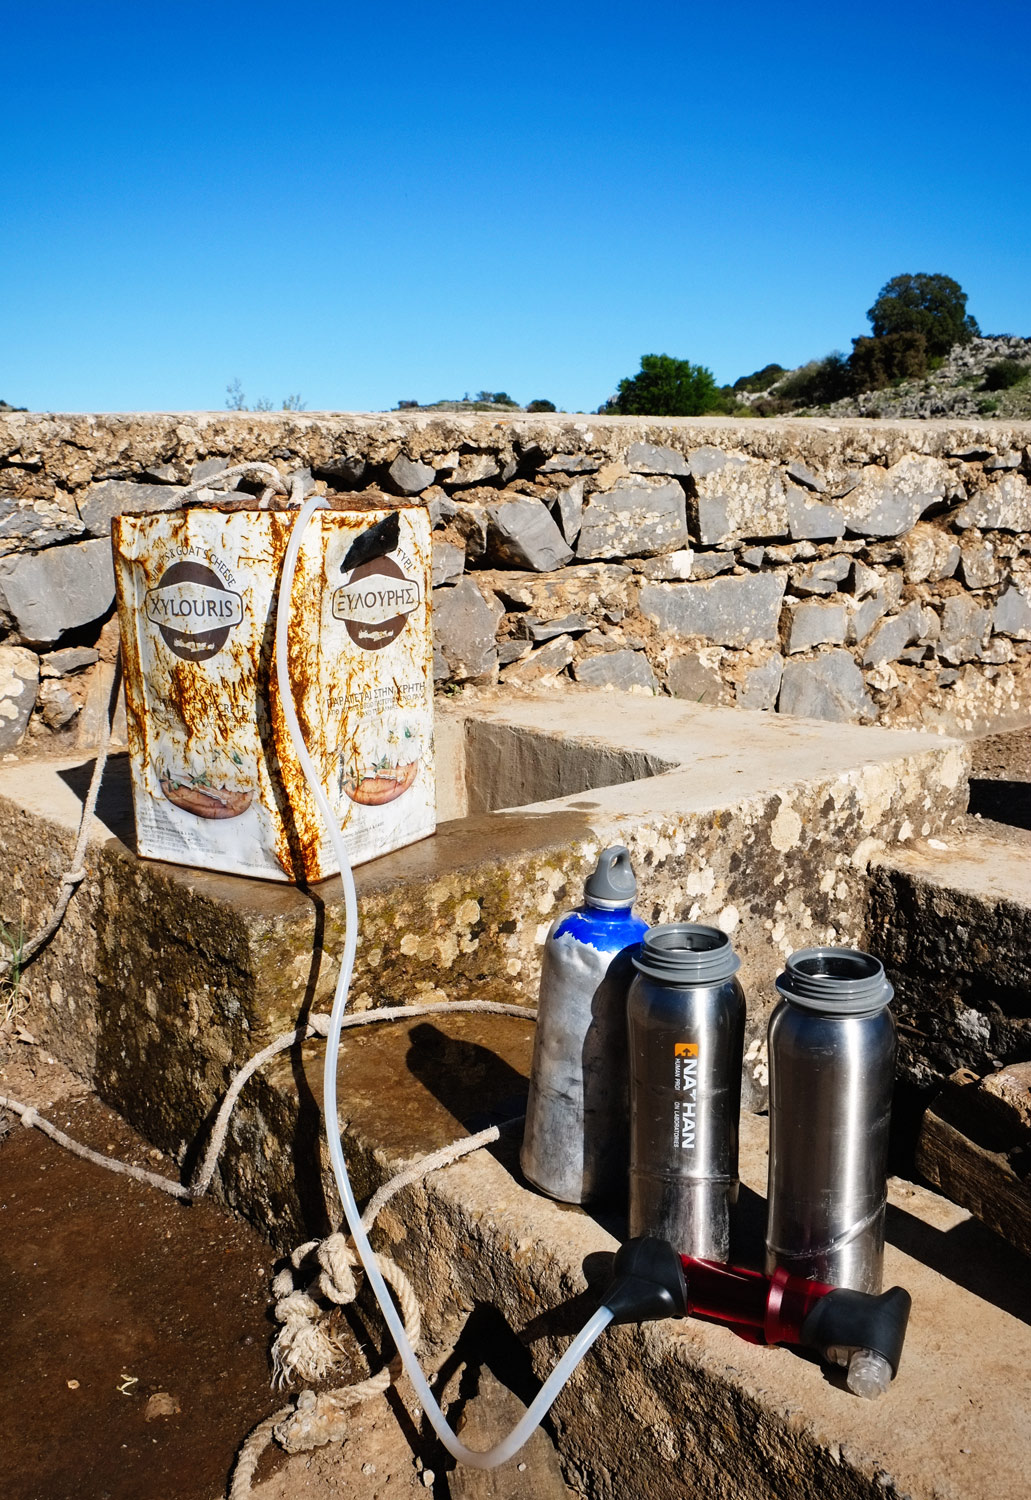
(529, 627)
(1012, 614)
(648, 458)
(821, 577)
(616, 669)
(637, 518)
(569, 463)
(474, 468)
(964, 624)
(46, 593)
(708, 460)
(675, 566)
(567, 509)
(889, 502)
(1011, 459)
(68, 662)
(407, 476)
(56, 705)
(522, 533)
(759, 685)
(470, 523)
(118, 497)
(448, 562)
(741, 499)
(979, 564)
(1004, 505)
(205, 470)
(803, 475)
(35, 523)
(162, 474)
(830, 686)
(19, 684)
(864, 613)
(344, 471)
(727, 611)
(814, 622)
(893, 635)
(464, 628)
(593, 589)
(808, 519)
(928, 553)
(547, 661)
(440, 505)
(710, 564)
(696, 676)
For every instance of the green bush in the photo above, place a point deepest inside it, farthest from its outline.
(877, 362)
(817, 383)
(541, 405)
(1004, 374)
(667, 387)
(760, 380)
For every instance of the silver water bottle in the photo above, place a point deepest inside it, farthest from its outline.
(832, 1067)
(574, 1141)
(686, 1019)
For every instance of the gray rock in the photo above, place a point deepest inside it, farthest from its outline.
(522, 534)
(808, 519)
(441, 507)
(161, 474)
(19, 684)
(44, 594)
(698, 680)
(708, 460)
(344, 471)
(538, 631)
(928, 553)
(970, 455)
(567, 509)
(979, 565)
(616, 669)
(1012, 615)
(471, 523)
(464, 630)
(893, 635)
(56, 705)
(742, 499)
(822, 577)
(569, 463)
(513, 650)
(592, 589)
(790, 552)
(948, 677)
(710, 564)
(760, 685)
(1004, 506)
(865, 580)
(752, 557)
(964, 624)
(474, 468)
(889, 502)
(676, 566)
(547, 661)
(308, 485)
(68, 662)
(648, 458)
(830, 686)
(28, 521)
(206, 469)
(634, 519)
(121, 497)
(1001, 461)
(804, 476)
(406, 476)
(998, 652)
(727, 611)
(815, 623)
(448, 562)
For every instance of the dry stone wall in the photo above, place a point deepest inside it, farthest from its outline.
(854, 571)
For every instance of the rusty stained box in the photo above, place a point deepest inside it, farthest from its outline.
(215, 781)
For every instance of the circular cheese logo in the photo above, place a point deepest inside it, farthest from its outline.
(193, 610)
(375, 602)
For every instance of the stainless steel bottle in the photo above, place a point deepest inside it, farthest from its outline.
(575, 1138)
(686, 1018)
(832, 1067)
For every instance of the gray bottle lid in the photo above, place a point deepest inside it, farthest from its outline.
(686, 953)
(836, 982)
(613, 882)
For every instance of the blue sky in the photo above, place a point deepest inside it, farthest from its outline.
(364, 205)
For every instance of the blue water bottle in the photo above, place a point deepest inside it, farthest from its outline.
(577, 1113)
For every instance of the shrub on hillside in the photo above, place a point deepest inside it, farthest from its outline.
(760, 380)
(817, 383)
(667, 387)
(935, 306)
(1004, 373)
(541, 405)
(877, 362)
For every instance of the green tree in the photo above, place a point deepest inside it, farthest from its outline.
(935, 306)
(540, 404)
(875, 363)
(667, 387)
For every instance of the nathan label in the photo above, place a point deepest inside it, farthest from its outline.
(375, 602)
(685, 1101)
(193, 610)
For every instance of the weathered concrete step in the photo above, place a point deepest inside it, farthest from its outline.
(673, 1408)
(951, 917)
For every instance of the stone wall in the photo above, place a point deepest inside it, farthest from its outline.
(853, 571)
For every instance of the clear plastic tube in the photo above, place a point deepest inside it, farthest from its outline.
(538, 1409)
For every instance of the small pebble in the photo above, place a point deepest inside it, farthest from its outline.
(73, 1385)
(368, 1468)
(521, 1468)
(428, 1477)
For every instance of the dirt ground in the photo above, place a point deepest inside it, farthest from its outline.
(136, 1349)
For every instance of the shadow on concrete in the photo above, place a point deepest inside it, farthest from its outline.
(968, 1254)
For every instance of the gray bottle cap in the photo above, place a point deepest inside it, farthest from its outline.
(686, 953)
(836, 982)
(613, 882)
